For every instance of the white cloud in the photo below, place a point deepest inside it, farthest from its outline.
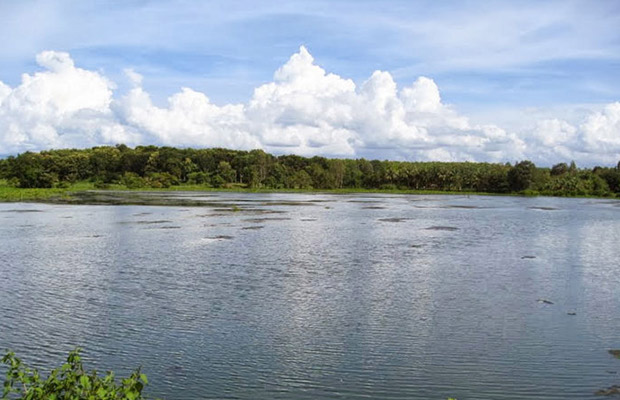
(595, 141)
(190, 119)
(60, 106)
(601, 130)
(134, 77)
(304, 110)
(307, 111)
(422, 96)
(5, 90)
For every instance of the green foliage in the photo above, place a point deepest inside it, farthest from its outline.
(226, 172)
(198, 178)
(559, 169)
(131, 180)
(520, 176)
(168, 167)
(4, 168)
(159, 180)
(68, 382)
(300, 180)
(101, 185)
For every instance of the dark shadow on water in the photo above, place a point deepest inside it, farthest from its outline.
(395, 219)
(442, 228)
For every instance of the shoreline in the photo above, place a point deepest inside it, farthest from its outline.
(86, 193)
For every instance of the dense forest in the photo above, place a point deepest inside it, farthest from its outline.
(160, 167)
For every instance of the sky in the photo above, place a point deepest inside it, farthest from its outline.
(491, 81)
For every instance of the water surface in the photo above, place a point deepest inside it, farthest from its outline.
(309, 296)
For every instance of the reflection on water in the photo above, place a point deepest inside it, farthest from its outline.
(305, 296)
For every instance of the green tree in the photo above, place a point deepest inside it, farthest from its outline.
(335, 174)
(572, 168)
(559, 169)
(226, 172)
(300, 180)
(520, 176)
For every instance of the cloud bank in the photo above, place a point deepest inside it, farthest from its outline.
(304, 111)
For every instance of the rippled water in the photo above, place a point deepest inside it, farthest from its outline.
(300, 296)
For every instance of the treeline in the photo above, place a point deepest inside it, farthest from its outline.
(160, 167)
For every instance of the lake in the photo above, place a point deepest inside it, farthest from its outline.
(321, 296)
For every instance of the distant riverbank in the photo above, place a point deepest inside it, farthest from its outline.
(151, 167)
(88, 193)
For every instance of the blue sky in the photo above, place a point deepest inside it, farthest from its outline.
(493, 62)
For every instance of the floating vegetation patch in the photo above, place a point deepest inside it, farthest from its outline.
(442, 228)
(364, 201)
(287, 203)
(393, 219)
(119, 197)
(260, 220)
(263, 211)
(23, 211)
(612, 390)
(253, 227)
(615, 353)
(218, 224)
(153, 222)
(465, 207)
(253, 211)
(544, 208)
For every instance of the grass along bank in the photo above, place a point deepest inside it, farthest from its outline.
(74, 193)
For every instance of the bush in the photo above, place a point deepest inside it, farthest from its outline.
(132, 180)
(69, 381)
(63, 185)
(198, 178)
(159, 180)
(388, 186)
(101, 185)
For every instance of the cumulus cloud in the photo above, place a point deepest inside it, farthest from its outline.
(596, 140)
(189, 120)
(308, 111)
(304, 110)
(58, 107)
(601, 130)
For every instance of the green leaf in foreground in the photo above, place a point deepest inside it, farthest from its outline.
(69, 381)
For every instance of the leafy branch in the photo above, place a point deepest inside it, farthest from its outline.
(68, 382)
